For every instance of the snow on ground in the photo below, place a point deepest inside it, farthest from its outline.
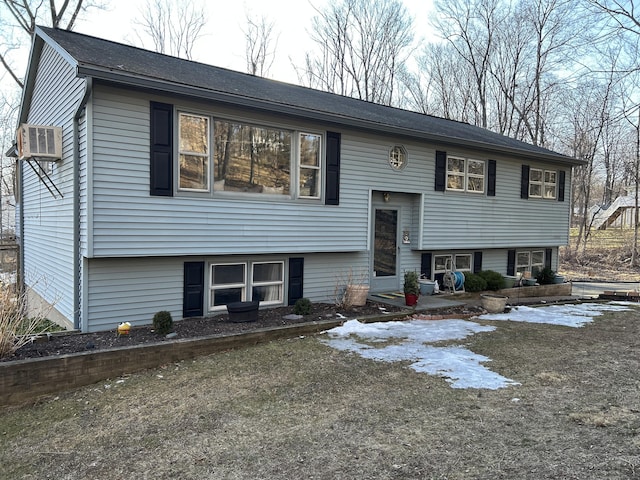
(574, 315)
(409, 341)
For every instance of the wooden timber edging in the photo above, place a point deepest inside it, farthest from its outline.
(24, 381)
(551, 290)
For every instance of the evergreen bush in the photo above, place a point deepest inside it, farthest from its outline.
(546, 276)
(495, 281)
(162, 322)
(474, 283)
(302, 306)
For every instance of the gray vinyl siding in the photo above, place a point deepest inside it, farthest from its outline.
(83, 184)
(48, 221)
(133, 290)
(465, 220)
(127, 221)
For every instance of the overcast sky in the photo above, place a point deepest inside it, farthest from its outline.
(223, 42)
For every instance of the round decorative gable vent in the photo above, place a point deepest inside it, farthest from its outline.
(398, 157)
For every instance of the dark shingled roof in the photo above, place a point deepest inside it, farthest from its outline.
(125, 64)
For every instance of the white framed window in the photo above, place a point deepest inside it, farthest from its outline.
(529, 261)
(397, 157)
(245, 281)
(193, 152)
(251, 159)
(465, 174)
(217, 155)
(310, 173)
(447, 262)
(550, 181)
(227, 284)
(542, 183)
(267, 282)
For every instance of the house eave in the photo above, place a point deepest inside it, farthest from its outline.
(154, 84)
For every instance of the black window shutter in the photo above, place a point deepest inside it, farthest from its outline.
(425, 265)
(547, 257)
(491, 179)
(161, 166)
(193, 295)
(332, 188)
(524, 182)
(561, 182)
(511, 263)
(477, 262)
(441, 171)
(296, 277)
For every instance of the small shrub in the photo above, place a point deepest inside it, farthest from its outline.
(474, 283)
(545, 276)
(495, 281)
(162, 322)
(302, 306)
(411, 284)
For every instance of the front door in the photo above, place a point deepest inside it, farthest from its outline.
(384, 274)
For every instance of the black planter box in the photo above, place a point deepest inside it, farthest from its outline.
(243, 311)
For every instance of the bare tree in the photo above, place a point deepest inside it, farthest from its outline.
(469, 26)
(622, 13)
(18, 20)
(260, 45)
(362, 44)
(622, 28)
(172, 26)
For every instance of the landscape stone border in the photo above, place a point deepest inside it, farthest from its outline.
(24, 381)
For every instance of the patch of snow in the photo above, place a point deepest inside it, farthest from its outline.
(460, 366)
(574, 315)
(408, 341)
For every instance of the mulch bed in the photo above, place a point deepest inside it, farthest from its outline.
(67, 343)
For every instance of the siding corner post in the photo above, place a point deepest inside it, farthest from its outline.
(78, 268)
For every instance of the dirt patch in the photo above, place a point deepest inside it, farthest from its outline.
(297, 408)
(599, 264)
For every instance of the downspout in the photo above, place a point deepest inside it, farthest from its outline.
(88, 85)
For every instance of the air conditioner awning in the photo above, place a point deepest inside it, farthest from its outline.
(12, 152)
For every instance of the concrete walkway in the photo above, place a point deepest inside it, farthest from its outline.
(425, 302)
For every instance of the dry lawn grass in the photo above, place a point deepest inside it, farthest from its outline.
(295, 409)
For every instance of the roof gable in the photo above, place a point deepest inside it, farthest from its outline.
(103, 59)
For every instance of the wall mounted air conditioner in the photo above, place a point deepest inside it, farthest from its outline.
(39, 142)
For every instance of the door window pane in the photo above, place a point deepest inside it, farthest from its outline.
(385, 243)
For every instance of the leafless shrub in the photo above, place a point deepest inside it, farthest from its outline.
(16, 328)
(342, 298)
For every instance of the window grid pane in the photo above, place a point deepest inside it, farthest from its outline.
(465, 175)
(227, 284)
(463, 262)
(268, 282)
(193, 152)
(252, 159)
